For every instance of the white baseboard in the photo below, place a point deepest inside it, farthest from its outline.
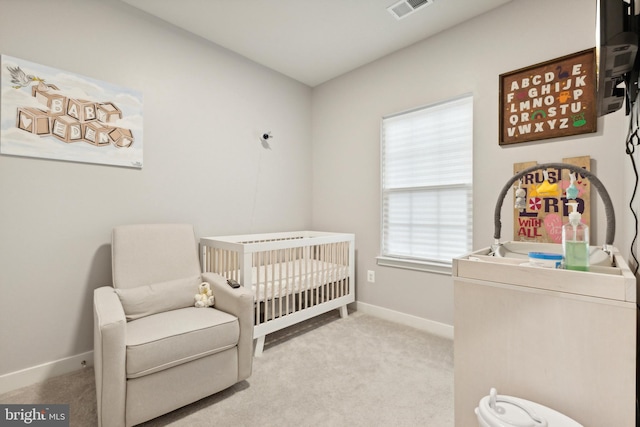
(431, 326)
(28, 376)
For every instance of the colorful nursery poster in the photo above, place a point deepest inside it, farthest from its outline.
(549, 100)
(53, 114)
(545, 209)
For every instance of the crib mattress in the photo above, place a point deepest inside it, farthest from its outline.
(290, 277)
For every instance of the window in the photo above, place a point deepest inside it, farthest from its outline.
(427, 185)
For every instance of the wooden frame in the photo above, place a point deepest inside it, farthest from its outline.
(549, 100)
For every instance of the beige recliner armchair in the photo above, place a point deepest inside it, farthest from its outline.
(153, 350)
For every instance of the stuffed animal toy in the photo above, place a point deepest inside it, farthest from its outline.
(204, 297)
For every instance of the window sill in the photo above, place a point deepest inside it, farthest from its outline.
(410, 264)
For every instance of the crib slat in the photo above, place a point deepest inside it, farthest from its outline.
(308, 269)
(338, 268)
(323, 274)
(228, 271)
(265, 287)
(332, 274)
(256, 290)
(281, 279)
(343, 266)
(297, 296)
(305, 273)
(303, 276)
(235, 266)
(327, 276)
(329, 268)
(270, 281)
(290, 283)
(318, 275)
(314, 274)
(268, 314)
(260, 291)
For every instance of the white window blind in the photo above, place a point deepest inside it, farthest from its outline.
(427, 182)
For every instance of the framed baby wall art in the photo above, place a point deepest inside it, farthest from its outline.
(549, 100)
(54, 114)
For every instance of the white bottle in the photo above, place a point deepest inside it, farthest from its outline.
(575, 241)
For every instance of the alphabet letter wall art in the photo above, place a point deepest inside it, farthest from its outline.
(53, 114)
(549, 100)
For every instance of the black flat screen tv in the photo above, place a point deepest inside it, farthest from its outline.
(617, 61)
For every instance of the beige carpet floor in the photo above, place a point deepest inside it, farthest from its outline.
(357, 371)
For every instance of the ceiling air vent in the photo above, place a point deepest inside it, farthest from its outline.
(406, 7)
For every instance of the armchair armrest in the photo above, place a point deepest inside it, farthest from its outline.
(109, 327)
(238, 302)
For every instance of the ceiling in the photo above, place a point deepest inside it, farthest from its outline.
(312, 41)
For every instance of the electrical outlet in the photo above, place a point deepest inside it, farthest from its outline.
(371, 276)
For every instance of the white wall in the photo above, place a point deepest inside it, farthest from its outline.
(204, 109)
(467, 58)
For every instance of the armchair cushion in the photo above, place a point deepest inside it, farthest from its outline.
(171, 338)
(155, 298)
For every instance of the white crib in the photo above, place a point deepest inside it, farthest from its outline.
(294, 275)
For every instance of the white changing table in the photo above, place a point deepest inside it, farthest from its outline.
(564, 339)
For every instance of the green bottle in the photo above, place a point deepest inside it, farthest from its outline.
(575, 241)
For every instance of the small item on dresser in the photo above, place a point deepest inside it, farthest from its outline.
(233, 283)
(575, 241)
(545, 260)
